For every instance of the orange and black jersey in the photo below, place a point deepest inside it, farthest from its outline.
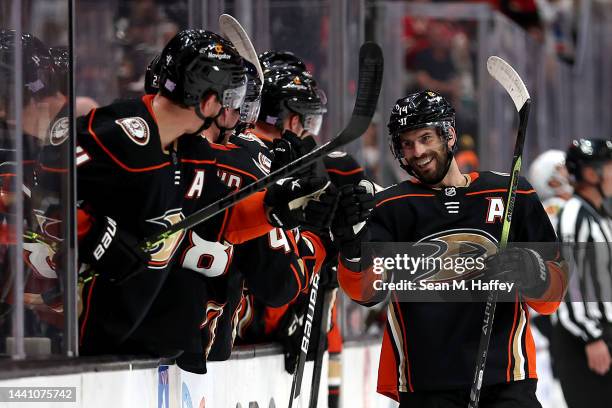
(432, 346)
(271, 266)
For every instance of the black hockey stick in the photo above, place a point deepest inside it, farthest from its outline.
(298, 373)
(318, 362)
(368, 89)
(503, 73)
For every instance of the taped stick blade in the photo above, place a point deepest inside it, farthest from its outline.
(233, 31)
(509, 79)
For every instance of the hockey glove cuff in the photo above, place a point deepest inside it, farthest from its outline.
(523, 266)
(113, 253)
(349, 227)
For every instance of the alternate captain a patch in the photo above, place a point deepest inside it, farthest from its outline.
(136, 128)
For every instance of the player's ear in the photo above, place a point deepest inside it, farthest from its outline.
(208, 104)
(452, 141)
(292, 123)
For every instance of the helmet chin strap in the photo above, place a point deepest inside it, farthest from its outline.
(206, 121)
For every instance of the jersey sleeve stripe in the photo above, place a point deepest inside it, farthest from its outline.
(509, 367)
(517, 346)
(499, 190)
(530, 349)
(402, 196)
(405, 377)
(87, 308)
(79, 160)
(345, 173)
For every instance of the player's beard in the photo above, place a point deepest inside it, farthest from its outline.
(433, 172)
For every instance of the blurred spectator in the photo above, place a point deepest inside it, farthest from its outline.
(371, 150)
(522, 12)
(550, 178)
(558, 21)
(466, 157)
(434, 67)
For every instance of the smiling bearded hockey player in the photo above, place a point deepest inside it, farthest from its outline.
(429, 349)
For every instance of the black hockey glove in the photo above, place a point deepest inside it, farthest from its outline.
(288, 148)
(349, 225)
(523, 266)
(309, 202)
(114, 254)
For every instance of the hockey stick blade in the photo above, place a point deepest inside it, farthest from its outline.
(509, 79)
(368, 89)
(514, 86)
(233, 31)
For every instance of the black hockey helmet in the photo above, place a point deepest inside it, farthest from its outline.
(59, 60)
(287, 61)
(196, 62)
(151, 84)
(37, 64)
(271, 59)
(287, 91)
(587, 152)
(419, 110)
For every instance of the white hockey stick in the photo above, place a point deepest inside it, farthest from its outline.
(233, 31)
(507, 77)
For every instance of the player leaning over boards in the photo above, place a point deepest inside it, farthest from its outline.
(429, 349)
(135, 177)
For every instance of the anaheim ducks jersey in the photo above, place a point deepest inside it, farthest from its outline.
(432, 346)
(270, 266)
(124, 173)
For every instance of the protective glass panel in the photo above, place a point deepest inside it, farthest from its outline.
(116, 40)
(35, 169)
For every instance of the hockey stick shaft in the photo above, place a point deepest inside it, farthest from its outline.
(296, 384)
(320, 352)
(369, 85)
(487, 326)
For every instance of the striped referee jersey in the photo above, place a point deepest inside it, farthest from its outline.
(587, 306)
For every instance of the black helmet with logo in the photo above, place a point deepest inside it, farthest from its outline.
(196, 62)
(37, 64)
(287, 91)
(419, 110)
(271, 59)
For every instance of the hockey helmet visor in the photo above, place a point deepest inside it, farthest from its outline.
(233, 98)
(249, 110)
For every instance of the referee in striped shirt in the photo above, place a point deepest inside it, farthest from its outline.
(582, 337)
